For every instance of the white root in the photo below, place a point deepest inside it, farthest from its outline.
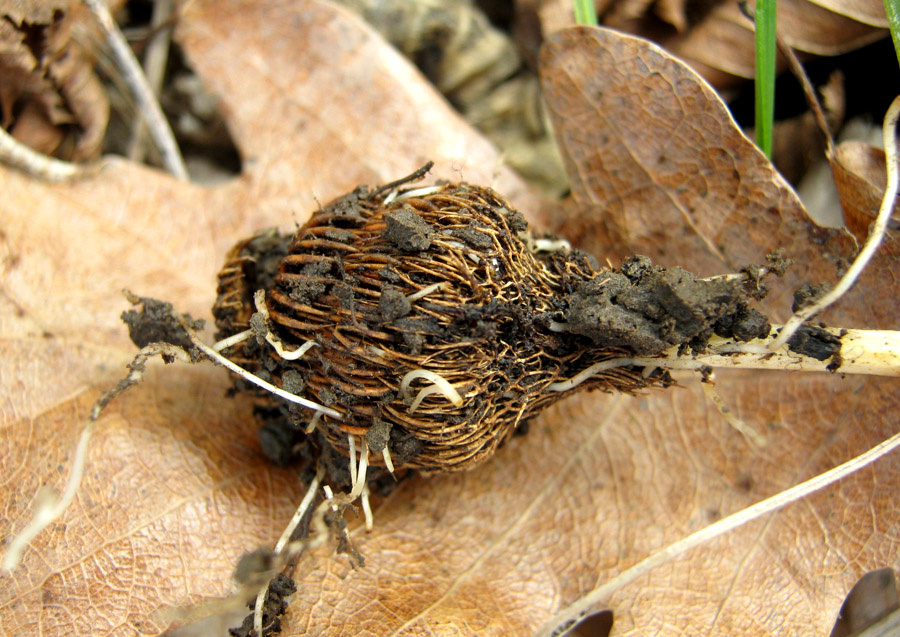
(367, 508)
(282, 543)
(361, 471)
(48, 506)
(259, 299)
(564, 619)
(550, 245)
(424, 292)
(388, 461)
(256, 380)
(876, 233)
(352, 453)
(311, 426)
(709, 390)
(232, 340)
(440, 386)
(415, 192)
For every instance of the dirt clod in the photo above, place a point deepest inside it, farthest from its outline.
(815, 342)
(155, 322)
(408, 231)
(648, 309)
(393, 304)
(379, 435)
(807, 295)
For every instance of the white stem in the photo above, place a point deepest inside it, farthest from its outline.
(564, 619)
(872, 242)
(873, 352)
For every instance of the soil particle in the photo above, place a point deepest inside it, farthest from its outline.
(343, 292)
(378, 435)
(515, 219)
(408, 231)
(327, 396)
(292, 381)
(156, 322)
(393, 304)
(389, 275)
(636, 267)
(349, 204)
(651, 308)
(815, 342)
(404, 447)
(778, 262)
(309, 287)
(473, 237)
(807, 294)
(341, 236)
(259, 327)
(744, 325)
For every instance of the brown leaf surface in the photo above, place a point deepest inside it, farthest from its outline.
(176, 490)
(718, 39)
(654, 151)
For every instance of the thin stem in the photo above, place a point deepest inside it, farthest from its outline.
(563, 620)
(876, 233)
(143, 94)
(156, 56)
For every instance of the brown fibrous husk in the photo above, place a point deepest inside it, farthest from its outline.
(341, 281)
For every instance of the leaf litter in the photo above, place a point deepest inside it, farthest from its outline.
(491, 489)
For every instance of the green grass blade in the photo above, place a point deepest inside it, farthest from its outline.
(586, 13)
(892, 9)
(765, 73)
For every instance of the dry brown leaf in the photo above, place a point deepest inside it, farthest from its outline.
(719, 41)
(859, 173)
(176, 490)
(47, 78)
(655, 152)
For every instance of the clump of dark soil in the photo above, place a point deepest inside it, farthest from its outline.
(814, 342)
(157, 322)
(647, 309)
(275, 605)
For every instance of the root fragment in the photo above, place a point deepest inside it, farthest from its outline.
(388, 461)
(367, 508)
(708, 384)
(441, 385)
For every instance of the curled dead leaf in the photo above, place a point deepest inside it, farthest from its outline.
(47, 79)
